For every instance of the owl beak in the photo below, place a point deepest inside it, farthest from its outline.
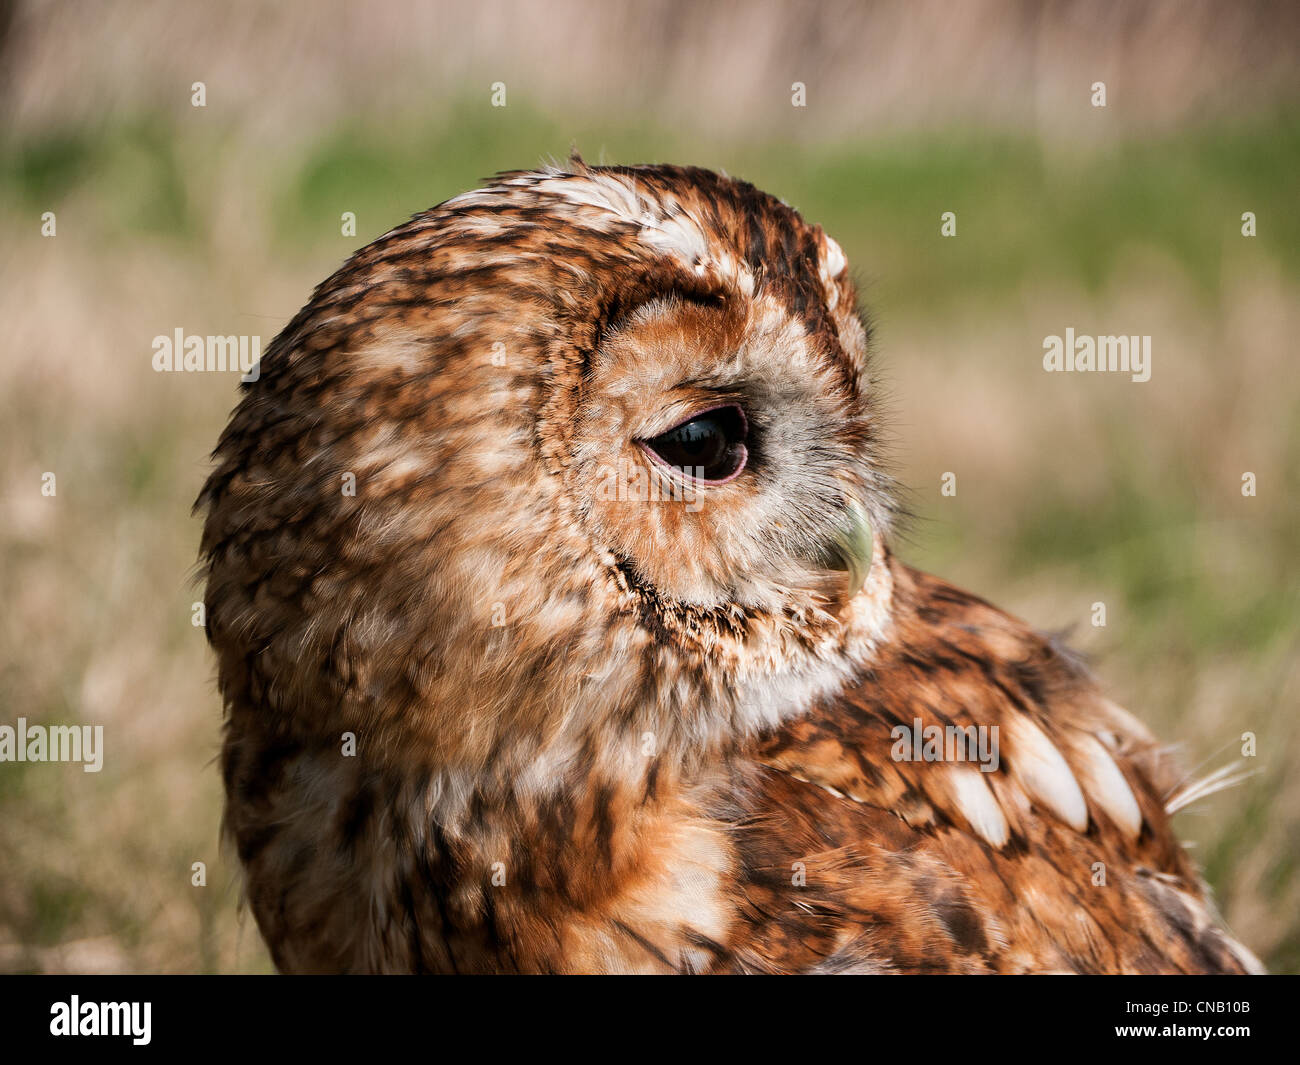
(853, 547)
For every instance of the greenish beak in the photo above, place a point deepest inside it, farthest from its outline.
(852, 547)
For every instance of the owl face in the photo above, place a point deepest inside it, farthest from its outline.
(718, 455)
(612, 439)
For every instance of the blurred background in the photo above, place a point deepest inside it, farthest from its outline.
(1072, 489)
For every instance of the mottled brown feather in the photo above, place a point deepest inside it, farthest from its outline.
(599, 733)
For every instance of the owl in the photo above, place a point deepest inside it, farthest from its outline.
(549, 576)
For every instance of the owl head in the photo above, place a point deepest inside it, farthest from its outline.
(581, 458)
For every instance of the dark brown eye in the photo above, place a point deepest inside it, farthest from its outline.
(710, 447)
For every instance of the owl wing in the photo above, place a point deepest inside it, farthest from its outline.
(1047, 849)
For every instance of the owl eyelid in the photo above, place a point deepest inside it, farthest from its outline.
(737, 450)
(729, 405)
(663, 463)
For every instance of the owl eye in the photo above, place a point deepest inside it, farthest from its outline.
(709, 447)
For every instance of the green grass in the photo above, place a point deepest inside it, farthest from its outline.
(1022, 213)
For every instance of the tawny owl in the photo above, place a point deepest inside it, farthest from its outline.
(549, 576)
